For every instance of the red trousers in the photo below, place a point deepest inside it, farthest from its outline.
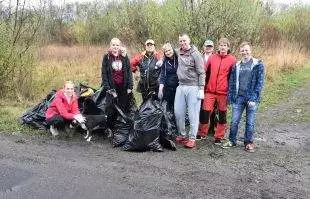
(208, 106)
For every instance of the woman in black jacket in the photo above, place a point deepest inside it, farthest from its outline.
(116, 73)
(168, 76)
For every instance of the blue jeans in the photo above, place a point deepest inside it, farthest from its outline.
(186, 100)
(237, 110)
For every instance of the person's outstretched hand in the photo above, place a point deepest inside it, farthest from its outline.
(80, 118)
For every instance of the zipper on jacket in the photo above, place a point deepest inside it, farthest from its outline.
(218, 71)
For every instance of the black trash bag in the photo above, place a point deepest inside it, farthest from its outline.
(146, 130)
(133, 108)
(121, 131)
(35, 116)
(168, 128)
(124, 123)
(83, 90)
(99, 98)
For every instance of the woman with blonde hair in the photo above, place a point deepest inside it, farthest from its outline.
(116, 73)
(168, 77)
(63, 109)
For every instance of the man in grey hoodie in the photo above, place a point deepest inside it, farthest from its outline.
(189, 93)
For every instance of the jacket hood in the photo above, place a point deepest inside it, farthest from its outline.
(189, 51)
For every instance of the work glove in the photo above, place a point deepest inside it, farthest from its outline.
(80, 118)
(251, 104)
(158, 64)
(201, 94)
(136, 76)
(128, 91)
(160, 91)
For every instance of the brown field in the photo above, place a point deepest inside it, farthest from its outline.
(58, 63)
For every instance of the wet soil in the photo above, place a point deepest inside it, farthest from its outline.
(40, 167)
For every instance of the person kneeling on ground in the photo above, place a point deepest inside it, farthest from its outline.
(63, 109)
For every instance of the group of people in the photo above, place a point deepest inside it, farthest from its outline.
(191, 82)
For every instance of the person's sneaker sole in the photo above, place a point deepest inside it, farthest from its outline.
(201, 138)
(250, 150)
(189, 147)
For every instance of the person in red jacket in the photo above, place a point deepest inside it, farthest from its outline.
(148, 63)
(63, 109)
(218, 69)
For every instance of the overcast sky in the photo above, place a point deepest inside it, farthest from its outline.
(61, 2)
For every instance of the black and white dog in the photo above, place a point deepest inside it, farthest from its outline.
(93, 122)
(95, 118)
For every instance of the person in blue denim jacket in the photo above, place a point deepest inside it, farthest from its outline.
(245, 85)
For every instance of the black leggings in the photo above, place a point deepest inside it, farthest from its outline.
(123, 101)
(58, 122)
(169, 95)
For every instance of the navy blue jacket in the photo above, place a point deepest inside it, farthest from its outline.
(168, 74)
(255, 85)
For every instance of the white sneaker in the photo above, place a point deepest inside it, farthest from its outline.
(54, 131)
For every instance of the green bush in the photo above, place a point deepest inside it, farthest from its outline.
(17, 49)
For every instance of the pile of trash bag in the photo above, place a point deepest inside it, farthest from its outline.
(35, 116)
(151, 127)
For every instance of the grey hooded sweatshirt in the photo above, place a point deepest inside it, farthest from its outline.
(191, 70)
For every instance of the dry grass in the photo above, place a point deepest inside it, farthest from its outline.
(59, 63)
(83, 64)
(285, 58)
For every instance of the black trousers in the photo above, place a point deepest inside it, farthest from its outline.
(169, 95)
(58, 122)
(145, 89)
(122, 98)
(146, 96)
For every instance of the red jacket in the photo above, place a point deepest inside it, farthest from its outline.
(135, 61)
(60, 106)
(218, 69)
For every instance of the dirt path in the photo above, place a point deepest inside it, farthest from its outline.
(280, 168)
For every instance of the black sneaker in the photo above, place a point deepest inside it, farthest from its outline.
(218, 142)
(199, 137)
